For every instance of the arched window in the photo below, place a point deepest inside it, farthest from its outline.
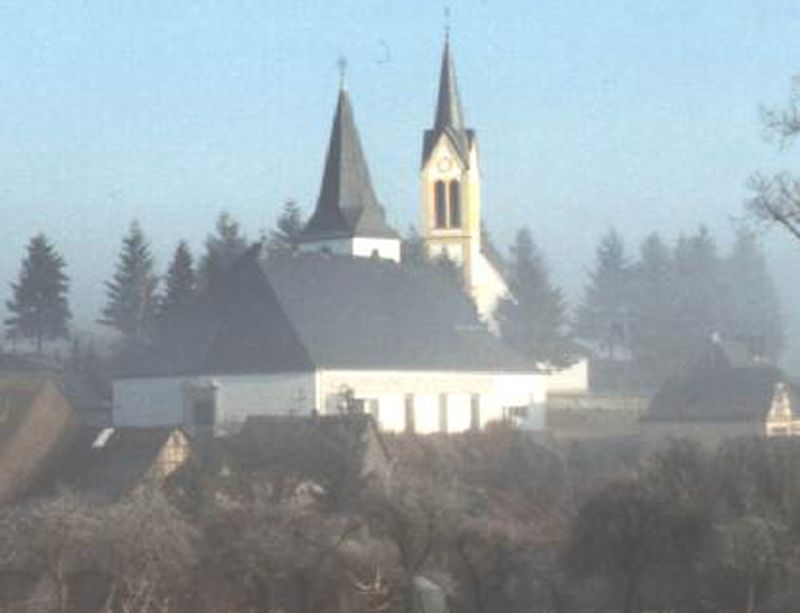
(455, 204)
(440, 205)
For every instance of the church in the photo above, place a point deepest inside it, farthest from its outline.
(344, 324)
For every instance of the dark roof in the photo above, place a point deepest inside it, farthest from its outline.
(347, 205)
(716, 393)
(449, 117)
(306, 311)
(106, 471)
(492, 254)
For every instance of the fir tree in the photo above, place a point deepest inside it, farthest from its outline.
(222, 250)
(131, 300)
(533, 319)
(604, 314)
(39, 308)
(283, 238)
(653, 308)
(412, 249)
(700, 295)
(753, 314)
(180, 282)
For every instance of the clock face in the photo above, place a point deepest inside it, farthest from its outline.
(445, 164)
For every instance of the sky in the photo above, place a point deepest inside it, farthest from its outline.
(640, 115)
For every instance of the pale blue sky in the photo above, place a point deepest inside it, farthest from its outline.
(641, 114)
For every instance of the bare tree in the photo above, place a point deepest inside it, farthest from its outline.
(777, 199)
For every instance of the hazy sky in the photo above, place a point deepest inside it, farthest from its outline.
(638, 114)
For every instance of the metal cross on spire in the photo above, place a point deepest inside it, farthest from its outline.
(342, 65)
(447, 22)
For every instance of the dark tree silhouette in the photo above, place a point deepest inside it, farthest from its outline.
(181, 282)
(39, 308)
(131, 304)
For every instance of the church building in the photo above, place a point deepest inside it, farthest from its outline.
(343, 325)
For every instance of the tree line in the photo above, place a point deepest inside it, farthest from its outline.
(657, 309)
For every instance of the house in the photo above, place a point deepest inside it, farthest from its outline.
(732, 393)
(344, 321)
(107, 464)
(34, 418)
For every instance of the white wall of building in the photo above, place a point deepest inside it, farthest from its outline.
(488, 287)
(163, 401)
(571, 380)
(385, 248)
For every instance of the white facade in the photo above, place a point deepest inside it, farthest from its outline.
(359, 246)
(422, 401)
(573, 379)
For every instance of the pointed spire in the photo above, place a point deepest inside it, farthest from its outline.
(449, 113)
(449, 118)
(347, 205)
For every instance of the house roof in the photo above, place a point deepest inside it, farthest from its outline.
(347, 205)
(717, 393)
(309, 311)
(103, 463)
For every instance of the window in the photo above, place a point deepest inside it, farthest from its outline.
(455, 204)
(443, 413)
(410, 417)
(475, 412)
(440, 205)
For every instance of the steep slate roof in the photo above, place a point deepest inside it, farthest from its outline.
(107, 471)
(717, 393)
(449, 118)
(307, 311)
(347, 205)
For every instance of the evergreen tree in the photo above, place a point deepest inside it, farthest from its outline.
(412, 249)
(604, 314)
(181, 282)
(700, 295)
(283, 238)
(753, 312)
(653, 308)
(39, 308)
(533, 319)
(222, 250)
(131, 300)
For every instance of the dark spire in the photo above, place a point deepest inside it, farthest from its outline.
(347, 205)
(449, 112)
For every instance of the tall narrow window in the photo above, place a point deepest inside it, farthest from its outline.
(455, 204)
(475, 412)
(443, 413)
(411, 424)
(440, 204)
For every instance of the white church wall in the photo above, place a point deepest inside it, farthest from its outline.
(573, 379)
(281, 394)
(386, 248)
(163, 401)
(148, 402)
(362, 247)
(459, 413)
(488, 287)
(389, 389)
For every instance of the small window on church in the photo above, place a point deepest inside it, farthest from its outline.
(455, 204)
(440, 204)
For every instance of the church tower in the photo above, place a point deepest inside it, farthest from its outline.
(348, 218)
(451, 198)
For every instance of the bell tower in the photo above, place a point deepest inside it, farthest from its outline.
(451, 194)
